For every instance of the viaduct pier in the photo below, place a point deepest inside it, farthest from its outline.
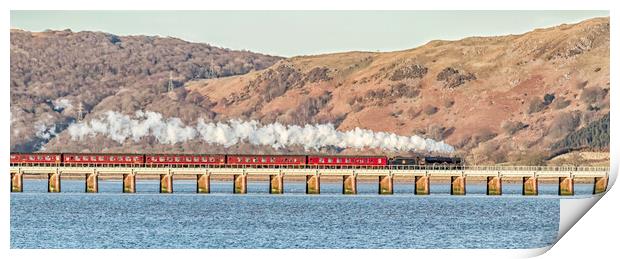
(421, 175)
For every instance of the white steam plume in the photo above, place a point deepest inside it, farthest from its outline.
(120, 128)
(44, 132)
(62, 104)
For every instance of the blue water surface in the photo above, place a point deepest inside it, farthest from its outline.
(147, 219)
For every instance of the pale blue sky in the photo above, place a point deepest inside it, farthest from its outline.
(291, 33)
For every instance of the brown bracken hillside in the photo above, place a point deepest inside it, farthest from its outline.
(52, 71)
(495, 99)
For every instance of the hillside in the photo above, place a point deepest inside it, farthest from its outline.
(495, 99)
(53, 71)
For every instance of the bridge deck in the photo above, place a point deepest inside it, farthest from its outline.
(481, 171)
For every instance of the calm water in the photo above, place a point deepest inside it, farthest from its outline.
(110, 219)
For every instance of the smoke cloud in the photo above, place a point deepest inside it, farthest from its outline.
(62, 104)
(44, 132)
(120, 127)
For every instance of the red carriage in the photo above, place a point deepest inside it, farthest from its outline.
(103, 159)
(184, 159)
(36, 159)
(265, 160)
(347, 160)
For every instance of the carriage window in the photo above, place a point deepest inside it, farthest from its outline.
(272, 159)
(321, 160)
(263, 160)
(295, 160)
(338, 160)
(112, 158)
(329, 160)
(379, 160)
(211, 159)
(254, 159)
(177, 159)
(196, 159)
(204, 159)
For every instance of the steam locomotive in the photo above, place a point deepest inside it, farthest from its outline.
(209, 160)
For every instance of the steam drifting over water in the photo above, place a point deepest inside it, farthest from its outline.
(120, 127)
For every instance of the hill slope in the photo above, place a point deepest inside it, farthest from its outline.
(495, 99)
(52, 71)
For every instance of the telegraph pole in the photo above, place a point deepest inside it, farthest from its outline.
(170, 84)
(80, 112)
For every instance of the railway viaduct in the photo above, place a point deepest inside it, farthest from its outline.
(385, 175)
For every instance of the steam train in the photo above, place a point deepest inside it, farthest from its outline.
(211, 160)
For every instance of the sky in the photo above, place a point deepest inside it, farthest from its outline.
(293, 33)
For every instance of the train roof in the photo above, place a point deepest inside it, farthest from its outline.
(182, 154)
(36, 153)
(106, 154)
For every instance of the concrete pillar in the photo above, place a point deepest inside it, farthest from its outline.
(566, 187)
(458, 185)
(17, 182)
(349, 184)
(240, 182)
(386, 184)
(276, 184)
(129, 183)
(92, 182)
(600, 184)
(494, 185)
(165, 183)
(203, 183)
(53, 182)
(422, 185)
(313, 184)
(530, 185)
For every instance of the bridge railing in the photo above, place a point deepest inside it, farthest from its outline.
(369, 167)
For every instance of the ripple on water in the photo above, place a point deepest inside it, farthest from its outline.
(110, 219)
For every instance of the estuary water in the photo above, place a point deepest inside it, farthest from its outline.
(147, 219)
